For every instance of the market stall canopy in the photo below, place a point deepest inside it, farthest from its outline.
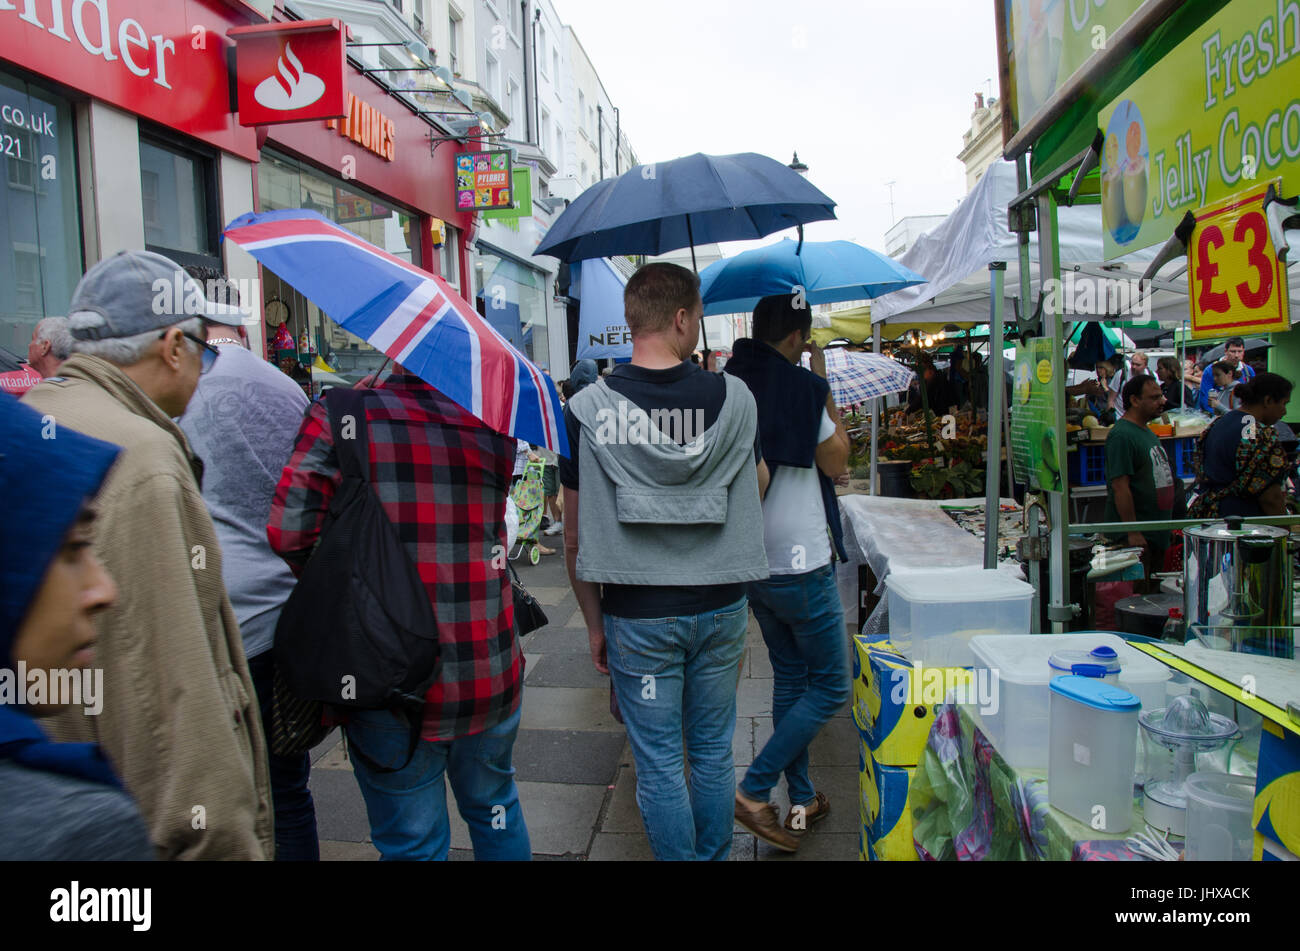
(956, 256)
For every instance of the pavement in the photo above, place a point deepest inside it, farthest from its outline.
(577, 780)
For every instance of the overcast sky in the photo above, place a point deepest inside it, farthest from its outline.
(867, 91)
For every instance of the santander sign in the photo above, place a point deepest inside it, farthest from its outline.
(291, 88)
(290, 72)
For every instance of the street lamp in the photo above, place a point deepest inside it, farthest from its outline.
(797, 166)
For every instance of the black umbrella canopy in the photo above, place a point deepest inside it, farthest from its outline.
(1216, 354)
(697, 199)
(10, 361)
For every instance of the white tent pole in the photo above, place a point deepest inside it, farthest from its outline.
(1058, 562)
(997, 383)
(875, 415)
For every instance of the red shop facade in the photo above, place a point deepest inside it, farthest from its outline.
(118, 130)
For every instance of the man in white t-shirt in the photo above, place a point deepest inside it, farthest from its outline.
(798, 607)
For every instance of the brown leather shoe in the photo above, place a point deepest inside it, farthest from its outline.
(763, 822)
(813, 813)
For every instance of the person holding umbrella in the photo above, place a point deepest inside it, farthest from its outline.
(798, 607)
(1234, 353)
(662, 530)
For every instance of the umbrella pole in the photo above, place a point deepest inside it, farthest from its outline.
(875, 418)
(704, 330)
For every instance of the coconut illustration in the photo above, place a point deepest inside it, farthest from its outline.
(1112, 186)
(1135, 175)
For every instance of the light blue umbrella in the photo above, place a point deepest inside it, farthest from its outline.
(828, 271)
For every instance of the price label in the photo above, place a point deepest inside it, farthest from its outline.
(1234, 280)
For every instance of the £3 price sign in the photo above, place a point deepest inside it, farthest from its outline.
(1234, 279)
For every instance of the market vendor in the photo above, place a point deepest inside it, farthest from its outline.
(938, 389)
(1242, 463)
(1139, 479)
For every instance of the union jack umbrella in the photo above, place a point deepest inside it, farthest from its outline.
(413, 316)
(856, 377)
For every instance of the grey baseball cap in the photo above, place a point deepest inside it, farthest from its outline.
(134, 292)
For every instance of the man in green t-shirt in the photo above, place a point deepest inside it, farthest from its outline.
(1139, 480)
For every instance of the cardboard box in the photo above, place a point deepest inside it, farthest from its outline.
(885, 809)
(1277, 787)
(894, 700)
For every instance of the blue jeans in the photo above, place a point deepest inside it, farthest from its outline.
(676, 679)
(803, 626)
(295, 813)
(408, 808)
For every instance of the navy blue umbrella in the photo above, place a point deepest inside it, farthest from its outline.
(698, 199)
(828, 272)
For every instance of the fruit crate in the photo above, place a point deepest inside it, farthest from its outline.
(1087, 465)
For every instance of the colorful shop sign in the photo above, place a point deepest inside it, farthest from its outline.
(1235, 282)
(1218, 113)
(483, 180)
(290, 72)
(1034, 432)
(1047, 42)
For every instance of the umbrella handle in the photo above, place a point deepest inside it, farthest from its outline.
(799, 228)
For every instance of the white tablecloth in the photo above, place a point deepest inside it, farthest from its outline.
(889, 534)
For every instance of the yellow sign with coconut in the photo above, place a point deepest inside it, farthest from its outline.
(1219, 113)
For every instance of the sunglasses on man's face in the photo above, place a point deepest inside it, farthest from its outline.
(207, 353)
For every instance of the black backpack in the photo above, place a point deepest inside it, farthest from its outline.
(358, 631)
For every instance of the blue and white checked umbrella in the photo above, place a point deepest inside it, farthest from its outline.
(856, 377)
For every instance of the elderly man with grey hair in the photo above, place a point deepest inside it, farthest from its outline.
(178, 718)
(51, 344)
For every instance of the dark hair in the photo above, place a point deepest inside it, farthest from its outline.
(1231, 369)
(1172, 367)
(1264, 386)
(566, 390)
(1134, 388)
(776, 317)
(1234, 342)
(655, 293)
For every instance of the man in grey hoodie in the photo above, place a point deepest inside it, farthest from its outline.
(669, 530)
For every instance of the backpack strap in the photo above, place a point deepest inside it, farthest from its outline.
(353, 453)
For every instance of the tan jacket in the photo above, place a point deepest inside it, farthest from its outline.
(179, 719)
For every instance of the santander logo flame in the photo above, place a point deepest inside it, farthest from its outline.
(290, 87)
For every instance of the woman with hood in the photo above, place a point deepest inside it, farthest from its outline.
(58, 801)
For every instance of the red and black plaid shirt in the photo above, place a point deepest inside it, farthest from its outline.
(442, 477)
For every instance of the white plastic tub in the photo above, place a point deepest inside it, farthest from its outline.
(1019, 726)
(933, 615)
(1219, 818)
(1092, 752)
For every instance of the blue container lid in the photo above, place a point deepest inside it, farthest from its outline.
(1087, 663)
(1095, 693)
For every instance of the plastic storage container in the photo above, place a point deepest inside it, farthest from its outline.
(1102, 662)
(1092, 752)
(1018, 727)
(1219, 818)
(934, 614)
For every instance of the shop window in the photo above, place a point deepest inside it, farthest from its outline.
(40, 224)
(511, 295)
(179, 202)
(284, 182)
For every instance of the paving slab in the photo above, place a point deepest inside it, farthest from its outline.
(754, 697)
(561, 818)
(568, 708)
(588, 757)
(623, 816)
(340, 810)
(565, 669)
(610, 847)
(552, 638)
(348, 851)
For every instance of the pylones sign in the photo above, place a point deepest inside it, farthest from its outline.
(290, 72)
